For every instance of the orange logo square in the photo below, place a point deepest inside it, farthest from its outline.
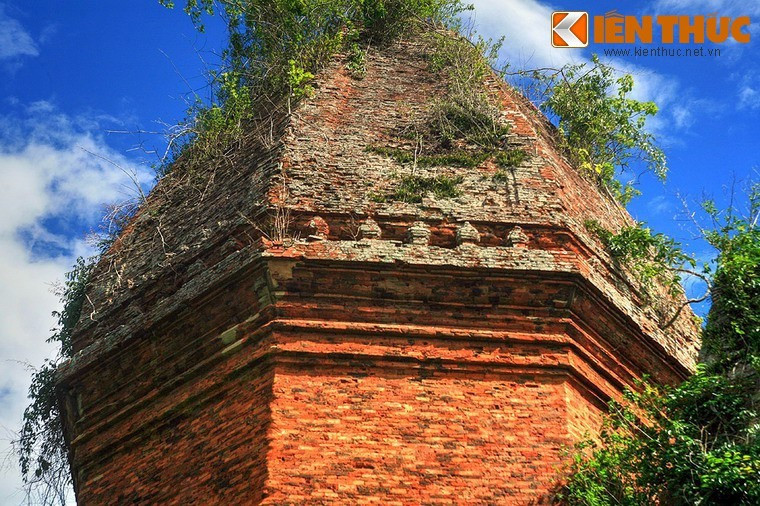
(570, 29)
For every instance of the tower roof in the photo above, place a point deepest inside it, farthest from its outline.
(312, 185)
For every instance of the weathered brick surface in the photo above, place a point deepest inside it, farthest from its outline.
(380, 352)
(210, 450)
(401, 436)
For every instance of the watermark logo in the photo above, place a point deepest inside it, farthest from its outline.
(570, 29)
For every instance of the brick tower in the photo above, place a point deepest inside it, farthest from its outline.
(267, 331)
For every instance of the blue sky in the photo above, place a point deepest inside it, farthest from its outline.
(73, 73)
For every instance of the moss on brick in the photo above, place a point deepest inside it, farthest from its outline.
(455, 158)
(507, 160)
(510, 158)
(412, 189)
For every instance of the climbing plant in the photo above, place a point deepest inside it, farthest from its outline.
(698, 442)
(694, 444)
(732, 333)
(275, 49)
(41, 447)
(469, 111)
(603, 129)
(656, 260)
(461, 129)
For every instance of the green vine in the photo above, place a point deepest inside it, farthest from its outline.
(356, 61)
(412, 189)
(732, 333)
(461, 130)
(454, 158)
(41, 446)
(602, 129)
(276, 47)
(469, 112)
(698, 442)
(510, 158)
(654, 258)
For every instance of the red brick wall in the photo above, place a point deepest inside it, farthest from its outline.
(584, 414)
(401, 436)
(324, 433)
(207, 452)
(350, 382)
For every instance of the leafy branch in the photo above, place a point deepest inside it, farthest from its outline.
(602, 129)
(698, 442)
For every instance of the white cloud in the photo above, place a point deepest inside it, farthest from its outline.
(704, 7)
(15, 41)
(659, 205)
(749, 97)
(682, 116)
(747, 88)
(525, 24)
(48, 177)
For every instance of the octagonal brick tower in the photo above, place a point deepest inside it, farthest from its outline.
(265, 331)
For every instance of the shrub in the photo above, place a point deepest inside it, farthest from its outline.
(510, 158)
(603, 129)
(454, 158)
(275, 49)
(41, 446)
(699, 442)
